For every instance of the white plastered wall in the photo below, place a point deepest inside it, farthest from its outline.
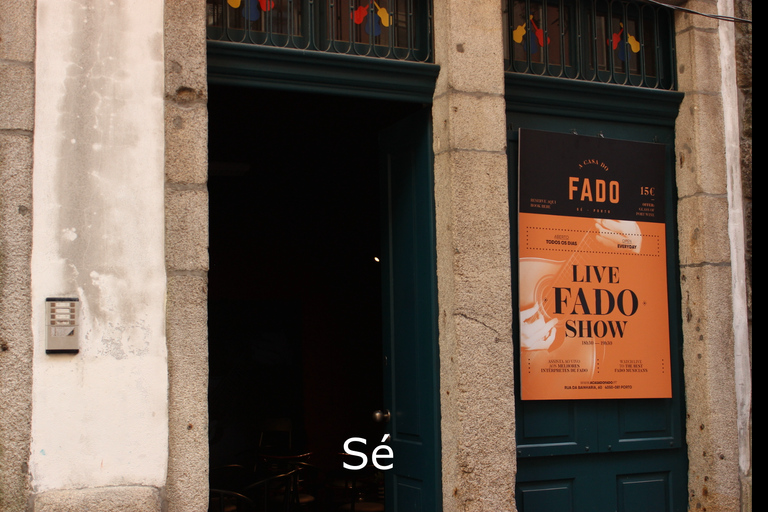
(100, 417)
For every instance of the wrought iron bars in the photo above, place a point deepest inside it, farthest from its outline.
(609, 41)
(388, 29)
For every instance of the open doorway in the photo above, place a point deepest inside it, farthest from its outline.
(294, 284)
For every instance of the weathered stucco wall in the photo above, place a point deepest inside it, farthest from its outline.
(100, 417)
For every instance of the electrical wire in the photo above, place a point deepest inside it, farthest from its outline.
(691, 11)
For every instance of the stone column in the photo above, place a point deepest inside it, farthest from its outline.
(186, 246)
(17, 98)
(712, 309)
(473, 253)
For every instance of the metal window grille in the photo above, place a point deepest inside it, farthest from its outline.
(609, 41)
(388, 29)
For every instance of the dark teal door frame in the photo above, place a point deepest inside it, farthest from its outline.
(316, 72)
(601, 455)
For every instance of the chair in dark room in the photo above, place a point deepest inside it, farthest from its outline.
(275, 434)
(310, 494)
(274, 493)
(363, 498)
(221, 500)
(306, 487)
(359, 490)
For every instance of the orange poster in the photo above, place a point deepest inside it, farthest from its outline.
(592, 260)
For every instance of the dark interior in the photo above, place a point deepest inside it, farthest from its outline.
(294, 288)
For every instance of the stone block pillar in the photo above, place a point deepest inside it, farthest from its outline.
(17, 98)
(711, 251)
(473, 256)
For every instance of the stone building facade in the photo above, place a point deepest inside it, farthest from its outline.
(104, 164)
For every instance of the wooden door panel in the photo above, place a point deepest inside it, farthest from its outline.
(633, 482)
(554, 428)
(408, 494)
(643, 492)
(644, 425)
(410, 316)
(545, 496)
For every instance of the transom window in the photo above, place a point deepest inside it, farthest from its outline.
(610, 41)
(391, 29)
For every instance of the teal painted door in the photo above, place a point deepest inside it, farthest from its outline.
(410, 316)
(600, 455)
